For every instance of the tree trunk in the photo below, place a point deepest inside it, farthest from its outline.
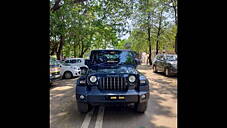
(157, 46)
(74, 49)
(54, 48)
(157, 42)
(176, 37)
(60, 47)
(82, 48)
(149, 41)
(159, 32)
(149, 36)
(176, 21)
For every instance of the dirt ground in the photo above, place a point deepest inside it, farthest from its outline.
(161, 111)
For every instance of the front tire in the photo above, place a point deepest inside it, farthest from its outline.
(141, 107)
(167, 72)
(83, 107)
(68, 75)
(155, 69)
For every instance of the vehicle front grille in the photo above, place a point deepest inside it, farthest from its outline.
(113, 83)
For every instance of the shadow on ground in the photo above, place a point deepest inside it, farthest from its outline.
(116, 117)
(64, 113)
(63, 108)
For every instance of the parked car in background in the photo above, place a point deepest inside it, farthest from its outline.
(166, 63)
(80, 62)
(54, 70)
(112, 79)
(67, 71)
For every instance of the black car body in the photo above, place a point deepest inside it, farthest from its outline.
(112, 79)
(166, 63)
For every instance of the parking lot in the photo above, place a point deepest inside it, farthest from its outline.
(161, 111)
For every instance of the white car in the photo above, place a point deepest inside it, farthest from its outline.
(80, 62)
(68, 71)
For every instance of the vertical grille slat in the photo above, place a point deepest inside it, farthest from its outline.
(110, 83)
(107, 83)
(113, 83)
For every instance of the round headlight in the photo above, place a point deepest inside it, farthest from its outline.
(93, 79)
(132, 79)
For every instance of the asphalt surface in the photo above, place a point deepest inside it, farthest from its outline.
(161, 111)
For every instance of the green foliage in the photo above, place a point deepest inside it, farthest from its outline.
(89, 25)
(156, 15)
(95, 24)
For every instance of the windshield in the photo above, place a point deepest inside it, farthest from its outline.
(63, 63)
(53, 62)
(113, 57)
(171, 57)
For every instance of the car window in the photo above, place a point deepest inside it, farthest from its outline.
(73, 61)
(162, 57)
(63, 63)
(53, 61)
(171, 57)
(113, 57)
(67, 61)
(78, 61)
(159, 57)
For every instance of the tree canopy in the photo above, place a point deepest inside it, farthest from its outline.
(79, 26)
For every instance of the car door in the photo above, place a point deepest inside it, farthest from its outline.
(161, 63)
(157, 62)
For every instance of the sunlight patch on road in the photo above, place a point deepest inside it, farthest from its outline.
(164, 121)
(61, 114)
(58, 95)
(62, 88)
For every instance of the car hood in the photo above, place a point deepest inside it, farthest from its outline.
(172, 62)
(116, 70)
(67, 66)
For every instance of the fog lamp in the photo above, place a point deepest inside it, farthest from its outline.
(143, 96)
(82, 97)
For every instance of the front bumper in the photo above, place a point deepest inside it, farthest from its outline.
(96, 97)
(77, 72)
(173, 70)
(54, 77)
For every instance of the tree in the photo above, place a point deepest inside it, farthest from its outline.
(78, 27)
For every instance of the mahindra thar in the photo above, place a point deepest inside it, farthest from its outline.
(112, 79)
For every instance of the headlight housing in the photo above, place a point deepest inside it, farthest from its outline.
(131, 79)
(93, 79)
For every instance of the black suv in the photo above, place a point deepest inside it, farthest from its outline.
(166, 63)
(112, 79)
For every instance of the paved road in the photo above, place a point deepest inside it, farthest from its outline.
(161, 112)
